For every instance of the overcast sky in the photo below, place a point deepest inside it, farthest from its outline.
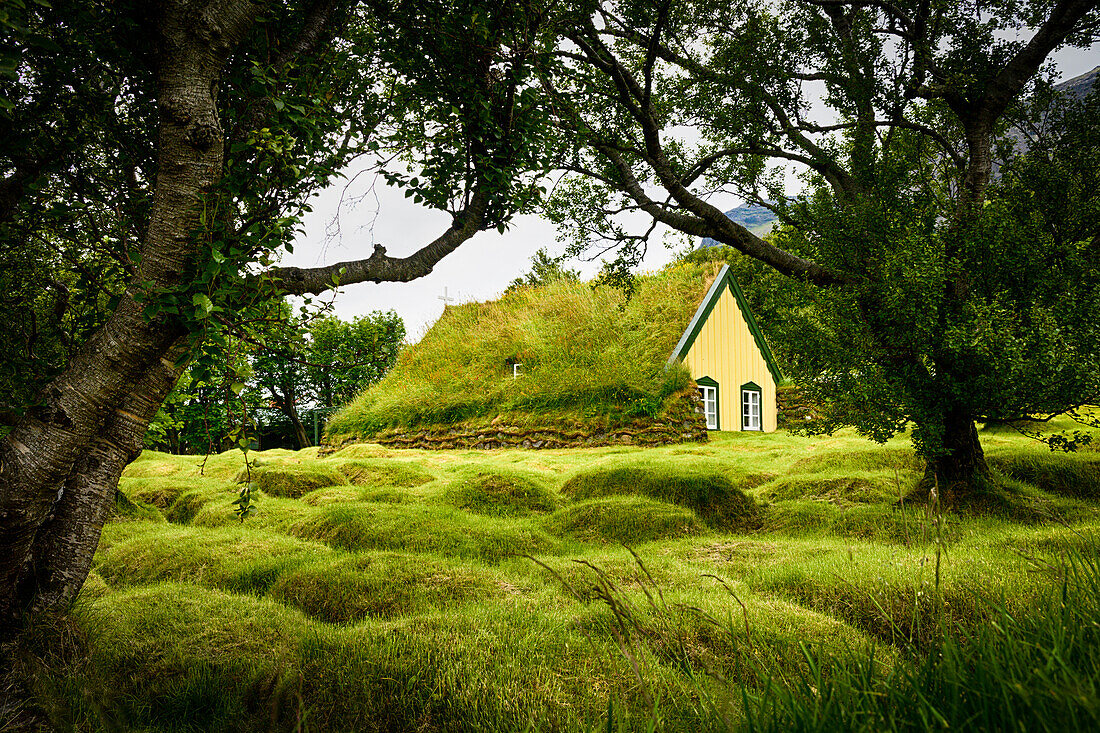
(481, 268)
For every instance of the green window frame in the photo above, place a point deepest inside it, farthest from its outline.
(709, 387)
(752, 406)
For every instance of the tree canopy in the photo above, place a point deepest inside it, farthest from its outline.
(154, 159)
(918, 289)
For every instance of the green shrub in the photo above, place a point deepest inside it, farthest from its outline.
(500, 493)
(628, 520)
(710, 494)
(292, 481)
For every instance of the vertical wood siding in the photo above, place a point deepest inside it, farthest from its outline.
(726, 352)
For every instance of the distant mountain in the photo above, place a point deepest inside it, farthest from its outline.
(1076, 88)
(757, 219)
(1080, 86)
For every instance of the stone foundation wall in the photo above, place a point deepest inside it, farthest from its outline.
(684, 422)
(793, 408)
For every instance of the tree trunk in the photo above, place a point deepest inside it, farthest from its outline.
(287, 402)
(60, 465)
(959, 473)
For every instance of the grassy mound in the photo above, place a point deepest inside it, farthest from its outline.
(628, 520)
(710, 494)
(1074, 475)
(160, 492)
(234, 558)
(501, 493)
(378, 585)
(127, 508)
(333, 495)
(382, 472)
(218, 662)
(590, 357)
(186, 507)
(878, 522)
(418, 528)
(388, 607)
(850, 460)
(292, 481)
(867, 488)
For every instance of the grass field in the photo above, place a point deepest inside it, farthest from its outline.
(775, 585)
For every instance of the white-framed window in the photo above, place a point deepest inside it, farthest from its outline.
(710, 405)
(750, 409)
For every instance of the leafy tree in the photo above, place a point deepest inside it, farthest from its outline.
(180, 141)
(344, 358)
(544, 269)
(925, 294)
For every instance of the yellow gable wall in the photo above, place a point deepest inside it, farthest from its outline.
(726, 352)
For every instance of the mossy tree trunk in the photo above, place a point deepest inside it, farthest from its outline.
(959, 473)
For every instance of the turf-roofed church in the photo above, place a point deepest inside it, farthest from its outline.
(729, 359)
(573, 364)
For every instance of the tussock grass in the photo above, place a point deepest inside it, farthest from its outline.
(709, 493)
(1030, 671)
(421, 528)
(218, 661)
(160, 492)
(379, 585)
(379, 472)
(501, 493)
(233, 558)
(1073, 475)
(128, 509)
(627, 520)
(863, 488)
(408, 604)
(333, 495)
(292, 481)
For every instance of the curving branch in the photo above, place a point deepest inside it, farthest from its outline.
(380, 267)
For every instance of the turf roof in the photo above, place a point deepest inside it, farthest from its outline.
(587, 353)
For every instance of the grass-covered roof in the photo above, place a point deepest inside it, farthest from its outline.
(590, 355)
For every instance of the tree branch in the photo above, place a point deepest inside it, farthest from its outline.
(380, 267)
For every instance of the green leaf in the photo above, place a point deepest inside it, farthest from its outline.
(203, 302)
